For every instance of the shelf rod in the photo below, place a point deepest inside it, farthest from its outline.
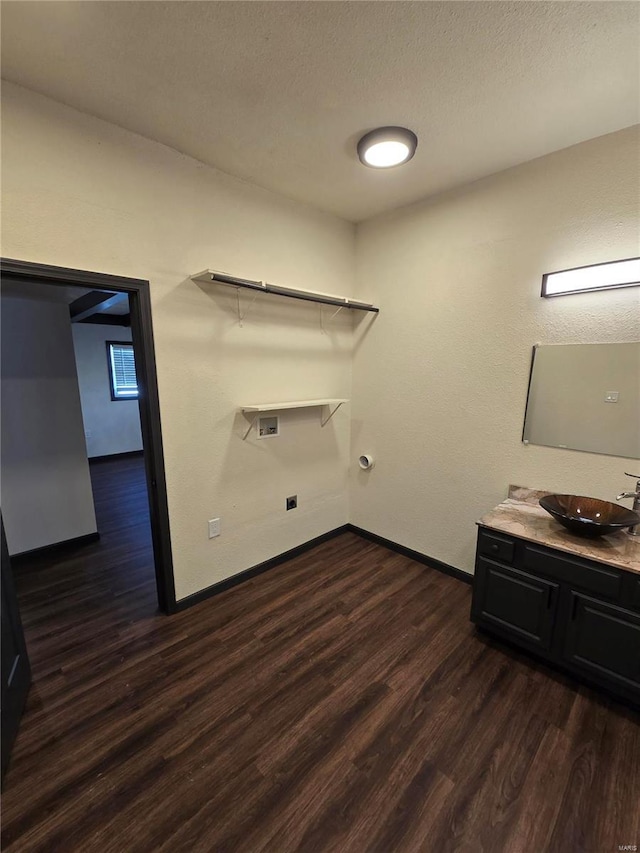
(265, 287)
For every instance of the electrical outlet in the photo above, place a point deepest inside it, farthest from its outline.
(292, 502)
(214, 528)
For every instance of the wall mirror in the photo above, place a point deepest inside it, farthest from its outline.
(585, 397)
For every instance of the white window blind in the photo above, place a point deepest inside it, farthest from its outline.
(123, 371)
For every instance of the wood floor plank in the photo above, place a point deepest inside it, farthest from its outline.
(541, 796)
(340, 703)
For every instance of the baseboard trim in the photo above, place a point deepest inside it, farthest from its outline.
(128, 454)
(55, 548)
(445, 568)
(247, 574)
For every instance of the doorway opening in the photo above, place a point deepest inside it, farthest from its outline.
(127, 463)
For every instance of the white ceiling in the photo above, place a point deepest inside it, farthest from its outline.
(58, 293)
(42, 292)
(278, 93)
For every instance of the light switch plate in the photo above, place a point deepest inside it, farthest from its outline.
(611, 396)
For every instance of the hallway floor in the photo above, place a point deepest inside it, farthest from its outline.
(339, 702)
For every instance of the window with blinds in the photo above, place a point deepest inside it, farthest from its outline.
(122, 371)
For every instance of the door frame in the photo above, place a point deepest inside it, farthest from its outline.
(138, 291)
(17, 680)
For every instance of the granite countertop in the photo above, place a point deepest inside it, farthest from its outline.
(521, 515)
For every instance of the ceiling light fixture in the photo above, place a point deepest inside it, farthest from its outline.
(604, 276)
(387, 146)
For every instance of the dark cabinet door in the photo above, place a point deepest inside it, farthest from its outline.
(605, 640)
(16, 674)
(514, 602)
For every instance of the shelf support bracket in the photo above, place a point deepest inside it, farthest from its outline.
(335, 314)
(241, 316)
(331, 414)
(251, 425)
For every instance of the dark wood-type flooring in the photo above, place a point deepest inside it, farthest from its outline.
(340, 702)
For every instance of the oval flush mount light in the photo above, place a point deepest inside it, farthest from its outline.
(387, 146)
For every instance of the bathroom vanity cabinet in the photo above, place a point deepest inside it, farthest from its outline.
(579, 613)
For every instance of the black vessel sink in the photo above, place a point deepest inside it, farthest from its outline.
(589, 516)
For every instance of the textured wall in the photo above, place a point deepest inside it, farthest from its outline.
(46, 487)
(440, 383)
(440, 375)
(82, 193)
(110, 426)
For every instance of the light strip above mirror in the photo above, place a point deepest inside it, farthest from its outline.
(605, 276)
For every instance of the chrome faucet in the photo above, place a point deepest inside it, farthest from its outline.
(635, 530)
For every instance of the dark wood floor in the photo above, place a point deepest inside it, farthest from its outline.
(340, 702)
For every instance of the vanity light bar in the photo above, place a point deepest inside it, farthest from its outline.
(593, 277)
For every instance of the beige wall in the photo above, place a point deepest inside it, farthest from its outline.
(440, 376)
(110, 426)
(46, 486)
(81, 193)
(440, 384)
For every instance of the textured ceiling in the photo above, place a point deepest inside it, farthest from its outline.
(62, 293)
(42, 292)
(278, 93)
